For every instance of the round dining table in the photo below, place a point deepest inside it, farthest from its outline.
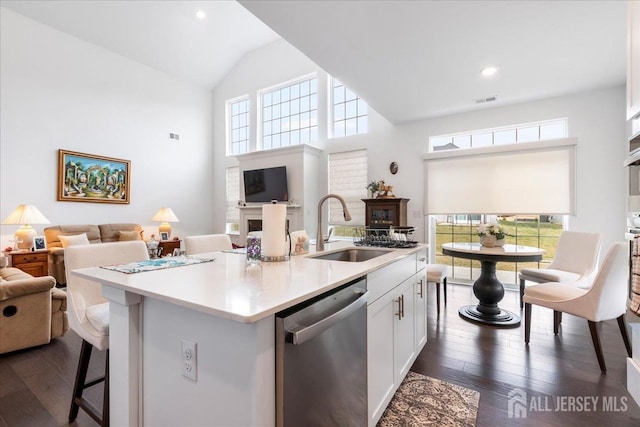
(487, 288)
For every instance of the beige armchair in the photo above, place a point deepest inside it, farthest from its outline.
(32, 310)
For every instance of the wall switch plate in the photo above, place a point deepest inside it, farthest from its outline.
(417, 214)
(189, 359)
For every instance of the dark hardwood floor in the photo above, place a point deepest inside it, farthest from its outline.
(551, 370)
(36, 384)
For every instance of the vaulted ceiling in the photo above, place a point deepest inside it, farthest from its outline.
(409, 59)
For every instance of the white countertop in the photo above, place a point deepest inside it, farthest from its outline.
(229, 288)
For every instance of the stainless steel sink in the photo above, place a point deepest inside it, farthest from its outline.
(351, 255)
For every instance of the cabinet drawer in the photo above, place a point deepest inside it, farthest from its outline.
(28, 258)
(421, 260)
(381, 281)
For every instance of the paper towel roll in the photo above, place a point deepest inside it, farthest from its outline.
(274, 239)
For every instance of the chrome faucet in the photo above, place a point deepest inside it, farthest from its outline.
(347, 217)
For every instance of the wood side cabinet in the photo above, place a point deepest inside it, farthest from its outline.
(168, 246)
(383, 213)
(33, 263)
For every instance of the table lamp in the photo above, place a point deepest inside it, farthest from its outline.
(165, 216)
(25, 215)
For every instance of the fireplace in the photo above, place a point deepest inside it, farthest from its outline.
(256, 225)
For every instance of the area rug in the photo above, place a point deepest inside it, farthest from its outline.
(425, 401)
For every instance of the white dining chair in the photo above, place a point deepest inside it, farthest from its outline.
(89, 314)
(575, 262)
(606, 299)
(207, 243)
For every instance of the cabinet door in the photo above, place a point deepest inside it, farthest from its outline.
(380, 376)
(421, 311)
(404, 329)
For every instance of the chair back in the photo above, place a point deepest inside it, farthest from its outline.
(607, 297)
(577, 252)
(83, 293)
(207, 243)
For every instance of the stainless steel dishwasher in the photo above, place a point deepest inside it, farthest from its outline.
(321, 360)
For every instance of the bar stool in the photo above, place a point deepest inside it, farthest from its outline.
(89, 314)
(437, 273)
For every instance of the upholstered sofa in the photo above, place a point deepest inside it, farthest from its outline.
(32, 310)
(102, 233)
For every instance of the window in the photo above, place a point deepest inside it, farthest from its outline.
(528, 132)
(232, 180)
(238, 126)
(290, 115)
(522, 175)
(350, 112)
(348, 178)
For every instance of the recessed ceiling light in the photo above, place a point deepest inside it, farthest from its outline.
(200, 14)
(488, 71)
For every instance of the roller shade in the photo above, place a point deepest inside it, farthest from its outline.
(233, 195)
(348, 178)
(528, 178)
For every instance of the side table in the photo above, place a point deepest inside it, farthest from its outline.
(168, 246)
(34, 263)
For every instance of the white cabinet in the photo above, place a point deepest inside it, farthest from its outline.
(404, 334)
(421, 310)
(396, 329)
(421, 299)
(380, 349)
(633, 59)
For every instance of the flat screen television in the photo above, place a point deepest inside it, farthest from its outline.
(265, 185)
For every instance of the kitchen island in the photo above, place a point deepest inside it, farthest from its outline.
(227, 308)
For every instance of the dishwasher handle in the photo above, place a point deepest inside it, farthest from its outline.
(305, 334)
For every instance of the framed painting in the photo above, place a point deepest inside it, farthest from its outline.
(90, 178)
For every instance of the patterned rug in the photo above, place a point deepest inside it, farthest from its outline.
(425, 401)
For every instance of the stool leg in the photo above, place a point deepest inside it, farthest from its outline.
(444, 283)
(81, 376)
(105, 397)
(438, 296)
(521, 293)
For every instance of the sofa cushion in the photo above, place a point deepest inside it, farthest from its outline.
(52, 233)
(111, 232)
(126, 236)
(98, 316)
(74, 240)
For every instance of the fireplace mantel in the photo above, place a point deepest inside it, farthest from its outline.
(254, 212)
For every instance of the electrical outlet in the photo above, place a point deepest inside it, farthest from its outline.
(189, 359)
(417, 214)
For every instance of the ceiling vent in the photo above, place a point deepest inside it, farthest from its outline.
(483, 100)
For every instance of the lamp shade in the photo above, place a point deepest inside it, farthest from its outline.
(25, 215)
(165, 215)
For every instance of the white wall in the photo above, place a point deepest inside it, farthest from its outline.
(58, 91)
(596, 118)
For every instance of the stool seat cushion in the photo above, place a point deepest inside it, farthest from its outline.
(98, 317)
(436, 272)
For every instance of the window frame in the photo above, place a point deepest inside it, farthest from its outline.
(229, 125)
(260, 111)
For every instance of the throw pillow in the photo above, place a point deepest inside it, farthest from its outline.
(74, 240)
(125, 236)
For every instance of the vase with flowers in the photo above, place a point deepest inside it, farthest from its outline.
(491, 235)
(373, 187)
